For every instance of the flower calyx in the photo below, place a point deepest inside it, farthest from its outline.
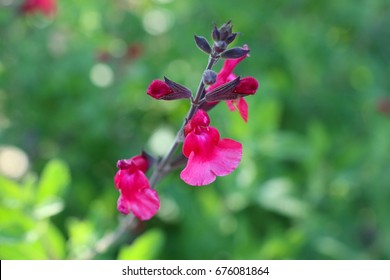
(234, 53)
(239, 87)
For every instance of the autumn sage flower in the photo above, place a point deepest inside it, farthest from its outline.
(46, 7)
(136, 195)
(246, 85)
(208, 155)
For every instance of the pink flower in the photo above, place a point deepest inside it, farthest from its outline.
(246, 86)
(208, 155)
(47, 7)
(136, 195)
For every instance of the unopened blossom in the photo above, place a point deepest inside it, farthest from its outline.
(136, 195)
(47, 7)
(167, 90)
(158, 89)
(246, 86)
(208, 155)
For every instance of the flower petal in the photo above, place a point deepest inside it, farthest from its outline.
(227, 157)
(242, 107)
(203, 168)
(230, 104)
(197, 172)
(145, 203)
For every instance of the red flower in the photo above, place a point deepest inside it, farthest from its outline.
(47, 7)
(246, 86)
(136, 195)
(208, 155)
(167, 90)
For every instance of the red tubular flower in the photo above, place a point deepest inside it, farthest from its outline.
(47, 7)
(208, 155)
(136, 195)
(167, 90)
(247, 85)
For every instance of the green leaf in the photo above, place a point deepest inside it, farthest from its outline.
(81, 236)
(145, 247)
(277, 195)
(52, 241)
(23, 251)
(14, 225)
(48, 208)
(55, 177)
(10, 191)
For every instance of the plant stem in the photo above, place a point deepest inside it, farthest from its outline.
(109, 240)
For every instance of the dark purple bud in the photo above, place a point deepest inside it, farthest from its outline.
(209, 77)
(225, 30)
(215, 34)
(220, 46)
(202, 44)
(224, 92)
(234, 53)
(223, 34)
(231, 38)
(178, 91)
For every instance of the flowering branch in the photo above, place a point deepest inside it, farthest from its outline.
(205, 154)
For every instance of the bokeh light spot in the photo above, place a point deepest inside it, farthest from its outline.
(90, 21)
(161, 140)
(158, 21)
(13, 162)
(101, 75)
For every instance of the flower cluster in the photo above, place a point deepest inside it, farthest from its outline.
(205, 154)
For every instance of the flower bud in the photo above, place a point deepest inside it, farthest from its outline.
(234, 53)
(220, 46)
(209, 77)
(167, 90)
(223, 36)
(202, 44)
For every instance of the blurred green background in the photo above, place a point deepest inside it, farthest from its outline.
(314, 178)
